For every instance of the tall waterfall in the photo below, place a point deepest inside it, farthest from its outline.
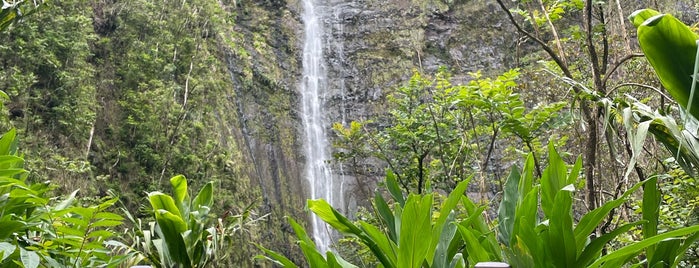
(318, 173)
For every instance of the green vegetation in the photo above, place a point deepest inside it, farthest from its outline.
(121, 95)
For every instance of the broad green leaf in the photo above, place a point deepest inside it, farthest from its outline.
(10, 226)
(336, 261)
(639, 16)
(179, 188)
(300, 232)
(415, 231)
(161, 201)
(670, 47)
(457, 261)
(386, 216)
(508, 207)
(277, 258)
(328, 214)
(313, 257)
(8, 142)
(444, 213)
(589, 222)
(651, 212)
(441, 252)
(172, 227)
(6, 249)
(561, 237)
(594, 248)
(381, 240)
(685, 246)
(393, 188)
(664, 253)
(205, 197)
(30, 259)
(636, 248)
(553, 179)
(475, 251)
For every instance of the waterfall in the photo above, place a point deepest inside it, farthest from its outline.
(313, 85)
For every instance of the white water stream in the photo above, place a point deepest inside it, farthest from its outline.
(318, 173)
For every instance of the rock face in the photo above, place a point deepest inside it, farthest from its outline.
(371, 47)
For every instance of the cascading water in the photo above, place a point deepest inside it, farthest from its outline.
(318, 173)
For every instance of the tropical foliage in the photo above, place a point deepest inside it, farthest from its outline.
(413, 234)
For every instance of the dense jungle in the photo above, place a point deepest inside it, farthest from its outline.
(340, 133)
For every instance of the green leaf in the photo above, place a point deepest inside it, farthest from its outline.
(328, 214)
(670, 47)
(300, 232)
(381, 240)
(9, 226)
(415, 235)
(275, 257)
(393, 188)
(386, 216)
(30, 259)
(639, 16)
(441, 252)
(180, 195)
(314, 258)
(589, 222)
(447, 207)
(474, 250)
(651, 212)
(6, 249)
(205, 197)
(594, 248)
(8, 142)
(161, 201)
(172, 227)
(636, 248)
(508, 207)
(336, 261)
(561, 237)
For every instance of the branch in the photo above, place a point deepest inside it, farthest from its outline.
(618, 64)
(561, 64)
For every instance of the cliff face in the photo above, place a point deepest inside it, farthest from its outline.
(370, 48)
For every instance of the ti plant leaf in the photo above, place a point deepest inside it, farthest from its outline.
(671, 47)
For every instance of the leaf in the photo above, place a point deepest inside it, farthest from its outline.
(386, 216)
(161, 201)
(561, 237)
(6, 249)
(447, 234)
(179, 192)
(651, 212)
(474, 250)
(670, 47)
(338, 261)
(328, 214)
(392, 186)
(8, 142)
(639, 16)
(381, 240)
(589, 222)
(594, 248)
(415, 235)
(30, 259)
(636, 248)
(172, 227)
(508, 207)
(444, 213)
(205, 197)
(275, 257)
